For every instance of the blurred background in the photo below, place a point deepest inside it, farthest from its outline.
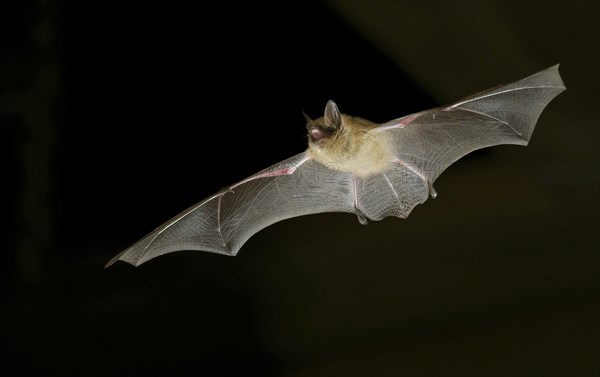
(115, 116)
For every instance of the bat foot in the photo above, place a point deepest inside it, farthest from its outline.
(361, 217)
(432, 192)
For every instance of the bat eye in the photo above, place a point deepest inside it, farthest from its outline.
(316, 135)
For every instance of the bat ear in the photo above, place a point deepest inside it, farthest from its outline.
(308, 120)
(332, 115)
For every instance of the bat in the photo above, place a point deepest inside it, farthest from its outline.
(356, 166)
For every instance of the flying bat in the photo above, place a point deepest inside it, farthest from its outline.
(356, 166)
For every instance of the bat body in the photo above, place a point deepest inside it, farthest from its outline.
(356, 166)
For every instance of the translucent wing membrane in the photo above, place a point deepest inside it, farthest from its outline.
(428, 142)
(224, 222)
(394, 192)
(423, 144)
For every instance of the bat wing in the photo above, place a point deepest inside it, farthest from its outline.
(223, 222)
(423, 145)
(426, 143)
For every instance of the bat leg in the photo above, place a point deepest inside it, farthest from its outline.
(432, 191)
(361, 216)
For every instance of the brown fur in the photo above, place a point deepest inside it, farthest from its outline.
(353, 148)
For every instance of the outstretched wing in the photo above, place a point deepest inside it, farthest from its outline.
(223, 222)
(426, 143)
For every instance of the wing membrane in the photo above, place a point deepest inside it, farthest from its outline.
(424, 145)
(224, 222)
(428, 142)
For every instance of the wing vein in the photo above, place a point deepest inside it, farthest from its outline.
(452, 108)
(416, 156)
(181, 216)
(391, 186)
(502, 92)
(219, 224)
(413, 169)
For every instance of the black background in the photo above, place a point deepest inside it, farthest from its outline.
(114, 116)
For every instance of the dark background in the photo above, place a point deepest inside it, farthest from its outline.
(114, 116)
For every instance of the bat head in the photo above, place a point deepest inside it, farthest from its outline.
(322, 131)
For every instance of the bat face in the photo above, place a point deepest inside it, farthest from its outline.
(347, 144)
(323, 131)
(355, 166)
